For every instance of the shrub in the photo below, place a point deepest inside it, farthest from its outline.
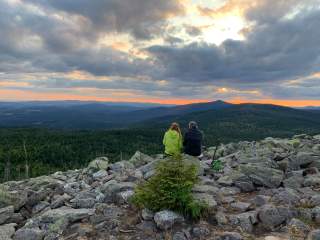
(171, 188)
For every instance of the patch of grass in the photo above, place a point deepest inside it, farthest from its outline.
(171, 188)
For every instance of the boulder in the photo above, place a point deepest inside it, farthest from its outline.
(139, 159)
(6, 213)
(208, 199)
(270, 217)
(298, 229)
(229, 236)
(263, 176)
(166, 219)
(7, 231)
(315, 234)
(245, 220)
(29, 234)
(100, 163)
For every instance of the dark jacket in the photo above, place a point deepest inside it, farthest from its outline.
(192, 142)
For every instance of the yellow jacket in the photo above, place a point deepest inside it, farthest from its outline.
(172, 141)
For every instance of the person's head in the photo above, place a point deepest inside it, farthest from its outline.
(193, 125)
(175, 126)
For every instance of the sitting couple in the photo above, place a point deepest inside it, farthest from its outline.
(191, 143)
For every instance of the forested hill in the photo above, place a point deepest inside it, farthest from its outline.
(48, 150)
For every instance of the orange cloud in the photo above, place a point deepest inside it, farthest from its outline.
(14, 95)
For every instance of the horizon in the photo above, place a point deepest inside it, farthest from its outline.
(161, 52)
(277, 103)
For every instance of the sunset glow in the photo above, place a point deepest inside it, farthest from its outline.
(168, 52)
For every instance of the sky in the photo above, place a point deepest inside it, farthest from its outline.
(162, 51)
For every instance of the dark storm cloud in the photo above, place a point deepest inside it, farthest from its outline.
(286, 49)
(142, 18)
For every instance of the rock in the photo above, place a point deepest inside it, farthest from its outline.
(287, 196)
(139, 159)
(29, 234)
(121, 166)
(100, 163)
(100, 174)
(302, 159)
(6, 213)
(263, 176)
(316, 214)
(147, 215)
(245, 186)
(166, 219)
(7, 231)
(261, 200)
(206, 198)
(230, 236)
(83, 202)
(293, 182)
(312, 181)
(315, 200)
(59, 201)
(221, 218)
(124, 197)
(244, 220)
(179, 236)
(270, 217)
(298, 229)
(229, 191)
(240, 206)
(200, 232)
(314, 235)
(39, 207)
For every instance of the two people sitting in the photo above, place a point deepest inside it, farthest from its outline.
(190, 143)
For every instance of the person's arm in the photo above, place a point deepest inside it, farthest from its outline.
(164, 141)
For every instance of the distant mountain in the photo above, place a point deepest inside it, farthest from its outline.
(91, 115)
(311, 108)
(245, 121)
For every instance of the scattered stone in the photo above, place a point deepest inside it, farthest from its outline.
(7, 231)
(298, 229)
(100, 174)
(240, 206)
(166, 219)
(100, 163)
(270, 217)
(314, 235)
(6, 213)
(147, 215)
(29, 234)
(200, 232)
(230, 236)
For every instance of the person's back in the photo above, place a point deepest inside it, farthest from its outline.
(173, 140)
(193, 140)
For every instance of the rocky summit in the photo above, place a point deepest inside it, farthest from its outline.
(268, 190)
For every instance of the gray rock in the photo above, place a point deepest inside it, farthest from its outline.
(314, 235)
(206, 198)
(59, 201)
(6, 213)
(100, 163)
(263, 176)
(315, 200)
(245, 186)
(124, 197)
(312, 181)
(7, 231)
(83, 202)
(100, 174)
(270, 217)
(229, 191)
(287, 196)
(244, 220)
(316, 214)
(29, 234)
(240, 206)
(179, 236)
(230, 236)
(139, 159)
(221, 218)
(261, 200)
(147, 215)
(166, 219)
(121, 166)
(293, 182)
(298, 229)
(200, 232)
(40, 207)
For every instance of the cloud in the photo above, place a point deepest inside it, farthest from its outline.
(142, 18)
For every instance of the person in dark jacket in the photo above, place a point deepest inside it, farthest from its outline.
(192, 141)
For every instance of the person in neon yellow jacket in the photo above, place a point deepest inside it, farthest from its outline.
(173, 141)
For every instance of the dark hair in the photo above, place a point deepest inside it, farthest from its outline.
(193, 125)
